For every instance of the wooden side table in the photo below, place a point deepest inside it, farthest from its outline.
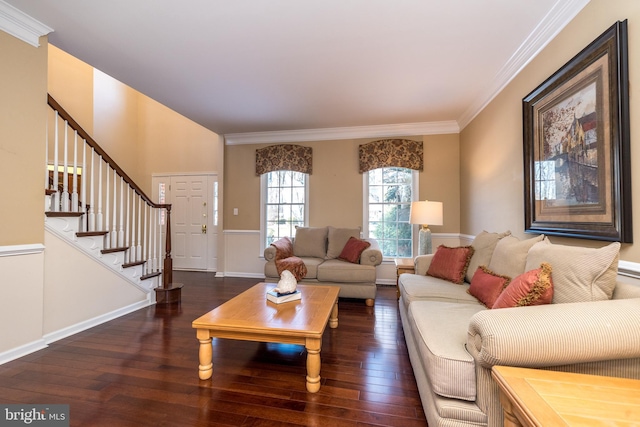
(537, 397)
(403, 265)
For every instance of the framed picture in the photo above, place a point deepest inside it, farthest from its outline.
(576, 145)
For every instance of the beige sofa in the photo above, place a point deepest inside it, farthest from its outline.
(320, 249)
(592, 326)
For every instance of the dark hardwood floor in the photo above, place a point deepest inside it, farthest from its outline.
(142, 370)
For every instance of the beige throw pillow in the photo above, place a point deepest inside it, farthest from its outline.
(338, 238)
(310, 242)
(484, 244)
(579, 274)
(510, 255)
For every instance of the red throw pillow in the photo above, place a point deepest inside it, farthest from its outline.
(450, 263)
(534, 287)
(487, 286)
(353, 249)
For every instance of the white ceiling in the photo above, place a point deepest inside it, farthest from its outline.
(248, 66)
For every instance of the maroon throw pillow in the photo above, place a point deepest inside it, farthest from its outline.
(353, 249)
(534, 287)
(450, 263)
(487, 286)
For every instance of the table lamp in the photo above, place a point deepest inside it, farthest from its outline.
(425, 213)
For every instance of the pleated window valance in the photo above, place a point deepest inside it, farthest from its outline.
(403, 153)
(283, 157)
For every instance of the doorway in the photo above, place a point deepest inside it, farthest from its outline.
(194, 218)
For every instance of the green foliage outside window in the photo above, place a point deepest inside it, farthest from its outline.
(389, 206)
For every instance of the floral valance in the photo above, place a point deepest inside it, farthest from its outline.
(403, 153)
(283, 157)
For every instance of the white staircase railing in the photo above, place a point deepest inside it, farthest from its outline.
(130, 222)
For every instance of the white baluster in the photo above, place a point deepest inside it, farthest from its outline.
(121, 224)
(139, 246)
(155, 239)
(74, 192)
(129, 227)
(92, 201)
(83, 202)
(144, 247)
(55, 197)
(114, 235)
(107, 199)
(99, 224)
(65, 172)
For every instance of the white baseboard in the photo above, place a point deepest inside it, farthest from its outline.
(90, 323)
(23, 350)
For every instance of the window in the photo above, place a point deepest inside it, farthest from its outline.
(284, 204)
(388, 195)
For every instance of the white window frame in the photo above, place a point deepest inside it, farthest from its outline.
(263, 205)
(415, 181)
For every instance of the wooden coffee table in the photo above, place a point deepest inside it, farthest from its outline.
(250, 317)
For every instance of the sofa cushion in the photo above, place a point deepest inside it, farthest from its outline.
(579, 274)
(440, 331)
(483, 246)
(533, 287)
(337, 238)
(310, 242)
(510, 255)
(414, 287)
(450, 263)
(487, 286)
(335, 270)
(353, 249)
(270, 269)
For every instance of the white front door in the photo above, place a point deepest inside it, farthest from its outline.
(193, 230)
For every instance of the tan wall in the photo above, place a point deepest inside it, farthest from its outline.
(23, 85)
(335, 186)
(492, 186)
(142, 136)
(70, 82)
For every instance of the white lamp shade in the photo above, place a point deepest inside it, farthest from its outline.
(426, 213)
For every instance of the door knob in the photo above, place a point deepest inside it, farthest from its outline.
(204, 228)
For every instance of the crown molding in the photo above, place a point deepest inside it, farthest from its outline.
(354, 132)
(556, 19)
(20, 25)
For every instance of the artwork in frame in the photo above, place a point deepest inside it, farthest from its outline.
(576, 145)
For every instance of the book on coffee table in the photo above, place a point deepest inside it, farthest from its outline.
(279, 298)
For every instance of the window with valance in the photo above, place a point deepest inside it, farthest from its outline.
(283, 157)
(403, 153)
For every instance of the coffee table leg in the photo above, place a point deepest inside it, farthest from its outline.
(333, 320)
(205, 370)
(313, 364)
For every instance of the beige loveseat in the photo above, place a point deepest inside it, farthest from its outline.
(591, 326)
(320, 249)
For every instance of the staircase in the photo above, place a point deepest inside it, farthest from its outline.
(94, 205)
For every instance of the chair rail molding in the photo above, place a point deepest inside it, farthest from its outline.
(17, 250)
(22, 26)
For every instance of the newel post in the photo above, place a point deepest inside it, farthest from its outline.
(169, 292)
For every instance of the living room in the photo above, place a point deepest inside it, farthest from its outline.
(477, 172)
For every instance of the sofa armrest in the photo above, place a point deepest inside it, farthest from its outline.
(556, 334)
(422, 263)
(270, 253)
(372, 255)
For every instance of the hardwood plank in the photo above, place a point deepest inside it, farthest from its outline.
(142, 369)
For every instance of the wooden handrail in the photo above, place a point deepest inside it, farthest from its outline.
(75, 126)
(169, 292)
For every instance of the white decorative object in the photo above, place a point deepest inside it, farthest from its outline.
(287, 283)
